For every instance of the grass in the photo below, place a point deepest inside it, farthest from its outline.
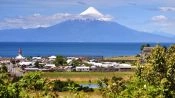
(85, 77)
(68, 94)
(95, 94)
(123, 58)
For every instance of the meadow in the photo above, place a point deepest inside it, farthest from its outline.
(85, 77)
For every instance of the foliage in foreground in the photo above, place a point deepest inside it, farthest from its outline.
(33, 83)
(153, 79)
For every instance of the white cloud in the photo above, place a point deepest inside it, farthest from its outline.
(37, 20)
(162, 23)
(166, 9)
(33, 21)
(159, 18)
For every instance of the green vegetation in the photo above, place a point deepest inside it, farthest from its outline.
(79, 62)
(123, 59)
(60, 60)
(84, 77)
(153, 79)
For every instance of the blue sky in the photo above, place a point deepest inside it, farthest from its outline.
(154, 16)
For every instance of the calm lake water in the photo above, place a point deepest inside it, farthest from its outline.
(10, 49)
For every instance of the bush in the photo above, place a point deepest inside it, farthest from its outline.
(68, 86)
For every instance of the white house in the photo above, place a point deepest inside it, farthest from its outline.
(52, 57)
(25, 63)
(36, 58)
(50, 65)
(124, 67)
(82, 68)
(109, 64)
(19, 57)
(31, 69)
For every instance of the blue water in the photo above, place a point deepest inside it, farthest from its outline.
(10, 49)
(90, 85)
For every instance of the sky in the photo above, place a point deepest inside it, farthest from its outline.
(153, 16)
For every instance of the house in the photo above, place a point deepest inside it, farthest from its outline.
(31, 69)
(52, 58)
(145, 53)
(50, 66)
(25, 63)
(125, 67)
(36, 58)
(82, 68)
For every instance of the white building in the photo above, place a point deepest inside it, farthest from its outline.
(25, 63)
(19, 56)
(82, 68)
(52, 57)
(36, 58)
(31, 69)
(50, 65)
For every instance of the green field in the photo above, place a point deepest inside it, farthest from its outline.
(82, 77)
(128, 59)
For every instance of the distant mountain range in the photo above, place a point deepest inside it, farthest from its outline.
(93, 28)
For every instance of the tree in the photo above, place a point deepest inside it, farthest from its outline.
(60, 60)
(144, 45)
(3, 68)
(156, 76)
(37, 64)
(153, 79)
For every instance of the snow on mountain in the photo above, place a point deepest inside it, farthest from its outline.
(93, 13)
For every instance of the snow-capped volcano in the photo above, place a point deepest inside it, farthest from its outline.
(93, 13)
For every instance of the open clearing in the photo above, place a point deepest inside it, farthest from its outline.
(85, 77)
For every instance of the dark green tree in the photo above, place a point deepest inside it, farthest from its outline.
(144, 45)
(60, 61)
(37, 64)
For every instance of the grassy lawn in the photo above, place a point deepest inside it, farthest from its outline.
(85, 77)
(123, 58)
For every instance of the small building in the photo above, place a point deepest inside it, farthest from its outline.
(31, 69)
(19, 56)
(25, 63)
(145, 53)
(124, 67)
(82, 68)
(50, 66)
(52, 58)
(36, 58)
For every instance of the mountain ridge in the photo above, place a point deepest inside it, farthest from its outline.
(81, 31)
